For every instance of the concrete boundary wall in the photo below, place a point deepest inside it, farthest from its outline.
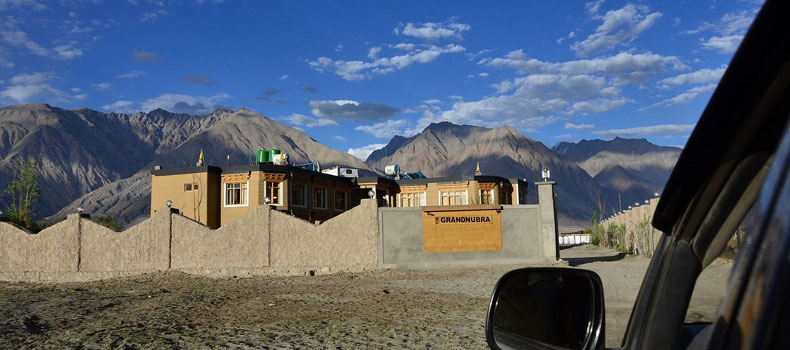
(54, 249)
(263, 241)
(529, 235)
(640, 235)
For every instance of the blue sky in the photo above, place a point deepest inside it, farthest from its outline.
(352, 74)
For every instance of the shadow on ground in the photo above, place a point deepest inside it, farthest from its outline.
(581, 260)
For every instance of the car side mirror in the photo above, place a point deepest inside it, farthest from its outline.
(546, 308)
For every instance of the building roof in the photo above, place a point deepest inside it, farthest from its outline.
(237, 169)
(186, 170)
(452, 179)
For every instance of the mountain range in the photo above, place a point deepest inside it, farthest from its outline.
(101, 161)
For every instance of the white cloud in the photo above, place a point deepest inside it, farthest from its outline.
(150, 16)
(404, 46)
(339, 48)
(625, 67)
(384, 130)
(81, 96)
(131, 74)
(119, 106)
(101, 86)
(360, 70)
(483, 75)
(373, 53)
(684, 97)
(4, 62)
(433, 31)
(12, 4)
(619, 26)
(20, 39)
(146, 56)
(353, 110)
(339, 138)
(179, 103)
(33, 87)
(722, 44)
(432, 101)
(365, 151)
(593, 7)
(701, 76)
(729, 29)
(284, 77)
(660, 130)
(67, 51)
(303, 120)
(32, 78)
(579, 126)
(532, 101)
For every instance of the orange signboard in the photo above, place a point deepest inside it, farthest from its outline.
(462, 228)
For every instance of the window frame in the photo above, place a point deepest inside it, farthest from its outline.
(246, 196)
(304, 194)
(345, 200)
(490, 192)
(465, 198)
(279, 192)
(421, 195)
(323, 197)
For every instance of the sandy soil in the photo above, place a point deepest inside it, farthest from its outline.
(411, 309)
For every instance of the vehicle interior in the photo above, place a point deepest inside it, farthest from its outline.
(716, 182)
(731, 177)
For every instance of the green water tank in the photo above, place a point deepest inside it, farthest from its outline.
(263, 156)
(272, 152)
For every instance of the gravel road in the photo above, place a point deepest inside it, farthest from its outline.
(410, 309)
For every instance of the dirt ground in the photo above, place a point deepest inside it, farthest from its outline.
(411, 309)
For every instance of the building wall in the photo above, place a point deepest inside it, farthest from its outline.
(432, 191)
(254, 183)
(201, 205)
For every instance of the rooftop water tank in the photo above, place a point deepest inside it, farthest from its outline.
(262, 156)
(392, 170)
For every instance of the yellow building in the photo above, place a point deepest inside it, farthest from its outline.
(215, 196)
(194, 191)
(460, 190)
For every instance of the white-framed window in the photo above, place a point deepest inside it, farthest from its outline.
(414, 199)
(273, 190)
(486, 196)
(319, 197)
(341, 200)
(236, 194)
(298, 195)
(453, 197)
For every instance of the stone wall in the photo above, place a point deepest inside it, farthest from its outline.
(347, 240)
(262, 241)
(54, 249)
(242, 243)
(142, 248)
